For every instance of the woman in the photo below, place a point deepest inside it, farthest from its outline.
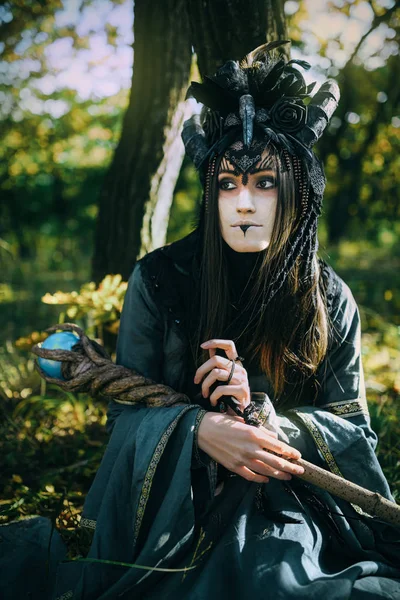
(194, 485)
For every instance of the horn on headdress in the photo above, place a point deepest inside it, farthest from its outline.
(319, 111)
(194, 138)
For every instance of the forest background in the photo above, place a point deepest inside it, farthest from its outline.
(93, 176)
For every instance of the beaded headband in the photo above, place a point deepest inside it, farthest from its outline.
(259, 100)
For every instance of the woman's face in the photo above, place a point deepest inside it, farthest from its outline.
(247, 206)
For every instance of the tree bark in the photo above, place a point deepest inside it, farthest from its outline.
(228, 29)
(148, 158)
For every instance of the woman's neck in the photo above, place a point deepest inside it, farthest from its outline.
(242, 266)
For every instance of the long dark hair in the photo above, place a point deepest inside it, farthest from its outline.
(287, 335)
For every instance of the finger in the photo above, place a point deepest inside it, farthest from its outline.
(264, 469)
(278, 463)
(250, 475)
(212, 377)
(238, 391)
(218, 362)
(227, 345)
(269, 432)
(274, 445)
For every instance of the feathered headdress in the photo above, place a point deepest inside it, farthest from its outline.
(265, 91)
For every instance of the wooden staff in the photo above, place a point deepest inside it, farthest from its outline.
(371, 502)
(88, 368)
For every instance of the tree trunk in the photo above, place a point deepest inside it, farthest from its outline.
(137, 193)
(228, 29)
(148, 158)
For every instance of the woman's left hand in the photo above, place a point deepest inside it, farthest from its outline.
(218, 368)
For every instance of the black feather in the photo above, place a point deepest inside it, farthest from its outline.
(316, 502)
(271, 79)
(289, 488)
(255, 76)
(285, 83)
(213, 96)
(285, 143)
(271, 134)
(294, 88)
(303, 63)
(299, 76)
(300, 148)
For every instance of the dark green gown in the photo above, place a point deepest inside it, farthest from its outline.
(153, 502)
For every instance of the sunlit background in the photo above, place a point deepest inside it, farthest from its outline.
(96, 61)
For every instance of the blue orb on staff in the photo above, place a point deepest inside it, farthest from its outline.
(63, 340)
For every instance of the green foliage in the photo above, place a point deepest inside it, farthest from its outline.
(371, 270)
(56, 142)
(357, 43)
(381, 357)
(93, 306)
(51, 443)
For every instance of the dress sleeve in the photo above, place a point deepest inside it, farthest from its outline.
(341, 404)
(336, 432)
(140, 344)
(141, 332)
(341, 375)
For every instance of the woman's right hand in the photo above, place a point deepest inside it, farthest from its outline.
(246, 450)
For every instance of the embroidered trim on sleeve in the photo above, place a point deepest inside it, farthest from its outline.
(347, 408)
(324, 450)
(196, 449)
(148, 479)
(87, 523)
(266, 406)
(319, 441)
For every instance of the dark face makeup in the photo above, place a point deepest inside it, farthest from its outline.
(247, 202)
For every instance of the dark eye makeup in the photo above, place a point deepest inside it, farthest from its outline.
(271, 181)
(224, 183)
(264, 183)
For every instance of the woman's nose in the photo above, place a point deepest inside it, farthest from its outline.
(245, 201)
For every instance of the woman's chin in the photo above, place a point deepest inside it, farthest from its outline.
(248, 246)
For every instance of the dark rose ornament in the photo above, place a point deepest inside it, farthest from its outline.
(289, 115)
